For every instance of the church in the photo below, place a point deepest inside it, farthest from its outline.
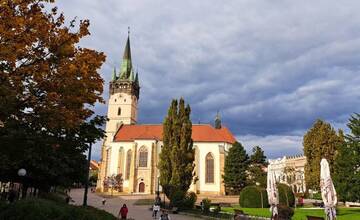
(132, 150)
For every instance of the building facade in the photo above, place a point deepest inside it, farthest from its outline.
(290, 170)
(132, 150)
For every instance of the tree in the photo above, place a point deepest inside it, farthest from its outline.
(258, 156)
(177, 156)
(48, 85)
(256, 173)
(347, 163)
(236, 164)
(321, 141)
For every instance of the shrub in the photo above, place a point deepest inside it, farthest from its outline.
(53, 197)
(206, 203)
(177, 198)
(250, 197)
(3, 205)
(217, 209)
(41, 209)
(286, 196)
(189, 200)
(285, 212)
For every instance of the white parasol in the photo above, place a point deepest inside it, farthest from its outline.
(272, 191)
(328, 192)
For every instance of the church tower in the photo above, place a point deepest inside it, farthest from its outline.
(124, 95)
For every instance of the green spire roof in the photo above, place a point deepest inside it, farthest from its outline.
(126, 65)
(114, 74)
(137, 78)
(132, 77)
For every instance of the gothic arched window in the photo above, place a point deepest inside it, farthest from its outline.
(119, 111)
(209, 166)
(108, 157)
(128, 164)
(143, 156)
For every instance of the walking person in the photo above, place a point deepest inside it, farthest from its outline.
(123, 212)
(156, 209)
(164, 216)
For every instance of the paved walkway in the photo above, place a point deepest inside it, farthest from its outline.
(114, 204)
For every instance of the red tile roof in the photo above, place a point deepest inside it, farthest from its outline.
(94, 165)
(200, 133)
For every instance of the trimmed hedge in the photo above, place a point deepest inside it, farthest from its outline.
(250, 197)
(189, 201)
(41, 209)
(286, 196)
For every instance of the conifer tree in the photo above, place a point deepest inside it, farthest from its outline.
(258, 156)
(236, 164)
(321, 141)
(256, 173)
(176, 163)
(347, 163)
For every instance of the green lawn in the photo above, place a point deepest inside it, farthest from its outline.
(300, 213)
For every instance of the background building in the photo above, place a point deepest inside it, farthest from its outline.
(291, 171)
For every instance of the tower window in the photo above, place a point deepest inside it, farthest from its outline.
(124, 100)
(115, 100)
(119, 111)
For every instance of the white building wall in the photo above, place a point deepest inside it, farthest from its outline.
(204, 149)
(144, 174)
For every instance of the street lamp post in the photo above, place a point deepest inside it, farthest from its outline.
(87, 176)
(261, 196)
(157, 199)
(21, 173)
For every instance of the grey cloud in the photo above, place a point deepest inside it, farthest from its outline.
(271, 68)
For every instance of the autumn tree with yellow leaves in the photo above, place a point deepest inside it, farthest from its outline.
(48, 86)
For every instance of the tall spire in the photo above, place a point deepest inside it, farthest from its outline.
(114, 74)
(126, 65)
(132, 77)
(137, 77)
(217, 121)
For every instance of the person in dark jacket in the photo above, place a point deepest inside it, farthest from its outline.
(123, 212)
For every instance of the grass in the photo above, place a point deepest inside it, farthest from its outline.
(50, 208)
(210, 215)
(300, 213)
(148, 202)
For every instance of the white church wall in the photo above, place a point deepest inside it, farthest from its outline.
(144, 173)
(204, 149)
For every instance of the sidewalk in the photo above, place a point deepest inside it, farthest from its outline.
(114, 204)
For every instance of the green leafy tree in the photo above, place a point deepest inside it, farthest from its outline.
(236, 164)
(347, 163)
(321, 141)
(177, 156)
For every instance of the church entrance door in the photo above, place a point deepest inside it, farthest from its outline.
(142, 187)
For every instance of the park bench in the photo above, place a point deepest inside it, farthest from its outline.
(318, 204)
(314, 218)
(352, 204)
(240, 215)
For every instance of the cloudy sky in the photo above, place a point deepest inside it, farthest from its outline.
(270, 67)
